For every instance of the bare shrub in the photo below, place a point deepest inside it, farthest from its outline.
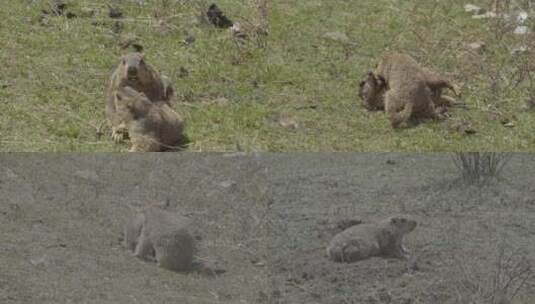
(495, 285)
(477, 167)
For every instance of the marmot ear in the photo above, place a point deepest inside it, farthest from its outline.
(118, 96)
(362, 83)
(393, 220)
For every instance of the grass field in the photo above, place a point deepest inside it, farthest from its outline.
(234, 97)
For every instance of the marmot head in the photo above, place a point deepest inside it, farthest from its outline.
(371, 91)
(134, 69)
(404, 224)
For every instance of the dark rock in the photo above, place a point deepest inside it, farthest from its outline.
(217, 18)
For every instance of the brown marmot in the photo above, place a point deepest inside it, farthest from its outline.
(156, 234)
(372, 90)
(152, 126)
(363, 241)
(408, 96)
(135, 72)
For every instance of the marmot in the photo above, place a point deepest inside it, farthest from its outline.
(363, 241)
(134, 72)
(152, 126)
(372, 90)
(408, 95)
(156, 234)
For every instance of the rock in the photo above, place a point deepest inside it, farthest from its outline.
(114, 12)
(183, 72)
(474, 9)
(9, 174)
(130, 40)
(478, 46)
(521, 17)
(57, 7)
(521, 30)
(509, 124)
(87, 175)
(217, 18)
(462, 126)
(288, 122)
(519, 50)
(485, 15)
(337, 37)
(227, 184)
(190, 39)
(36, 261)
(86, 12)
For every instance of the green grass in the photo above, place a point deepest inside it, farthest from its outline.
(53, 77)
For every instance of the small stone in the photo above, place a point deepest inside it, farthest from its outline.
(227, 183)
(36, 261)
(508, 124)
(474, 9)
(521, 30)
(87, 12)
(485, 15)
(289, 122)
(128, 40)
(9, 174)
(114, 12)
(189, 40)
(519, 50)
(337, 37)
(478, 46)
(522, 17)
(87, 175)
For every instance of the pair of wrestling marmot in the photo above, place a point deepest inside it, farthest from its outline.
(405, 90)
(139, 106)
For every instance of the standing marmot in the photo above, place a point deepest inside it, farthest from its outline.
(367, 240)
(408, 95)
(152, 126)
(134, 72)
(154, 233)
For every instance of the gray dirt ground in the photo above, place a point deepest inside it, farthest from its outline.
(61, 221)
(265, 219)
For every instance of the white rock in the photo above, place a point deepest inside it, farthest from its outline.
(87, 174)
(227, 184)
(477, 46)
(519, 50)
(485, 15)
(474, 9)
(521, 30)
(522, 17)
(36, 261)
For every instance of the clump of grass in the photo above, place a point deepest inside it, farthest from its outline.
(480, 167)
